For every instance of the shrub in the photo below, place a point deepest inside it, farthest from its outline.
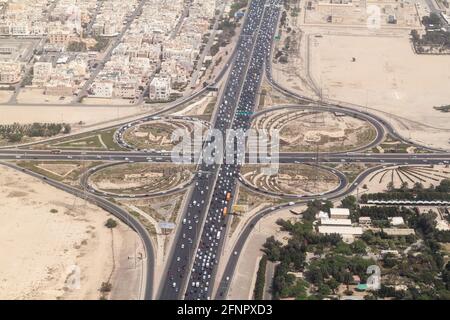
(111, 223)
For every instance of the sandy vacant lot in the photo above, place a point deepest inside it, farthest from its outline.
(47, 234)
(5, 95)
(88, 114)
(34, 95)
(386, 75)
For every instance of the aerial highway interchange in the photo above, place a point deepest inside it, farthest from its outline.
(191, 271)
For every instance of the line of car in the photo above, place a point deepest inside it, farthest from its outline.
(262, 17)
(214, 182)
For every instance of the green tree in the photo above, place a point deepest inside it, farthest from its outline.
(111, 223)
(404, 186)
(258, 292)
(389, 260)
(390, 186)
(418, 186)
(333, 284)
(272, 248)
(359, 247)
(415, 35)
(444, 186)
(15, 137)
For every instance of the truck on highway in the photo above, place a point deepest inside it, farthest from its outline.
(218, 235)
(225, 211)
(228, 196)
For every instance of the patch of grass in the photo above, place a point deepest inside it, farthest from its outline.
(90, 140)
(72, 176)
(147, 224)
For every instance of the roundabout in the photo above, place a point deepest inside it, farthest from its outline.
(319, 128)
(153, 134)
(299, 181)
(137, 180)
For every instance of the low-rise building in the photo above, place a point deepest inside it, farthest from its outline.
(396, 221)
(126, 90)
(102, 89)
(322, 215)
(41, 73)
(339, 213)
(55, 87)
(398, 231)
(10, 72)
(341, 230)
(365, 221)
(159, 88)
(335, 222)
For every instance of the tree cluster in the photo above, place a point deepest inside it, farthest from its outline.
(260, 279)
(15, 132)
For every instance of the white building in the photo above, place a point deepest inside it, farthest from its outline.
(365, 221)
(159, 88)
(339, 213)
(341, 230)
(126, 90)
(101, 89)
(398, 231)
(10, 72)
(335, 222)
(396, 221)
(321, 215)
(41, 72)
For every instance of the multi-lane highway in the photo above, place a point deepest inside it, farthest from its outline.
(284, 157)
(199, 238)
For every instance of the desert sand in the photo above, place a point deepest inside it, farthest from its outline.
(52, 241)
(5, 95)
(386, 76)
(67, 114)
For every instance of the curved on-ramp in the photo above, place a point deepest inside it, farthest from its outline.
(84, 181)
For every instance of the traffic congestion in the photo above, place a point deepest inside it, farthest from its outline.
(234, 114)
